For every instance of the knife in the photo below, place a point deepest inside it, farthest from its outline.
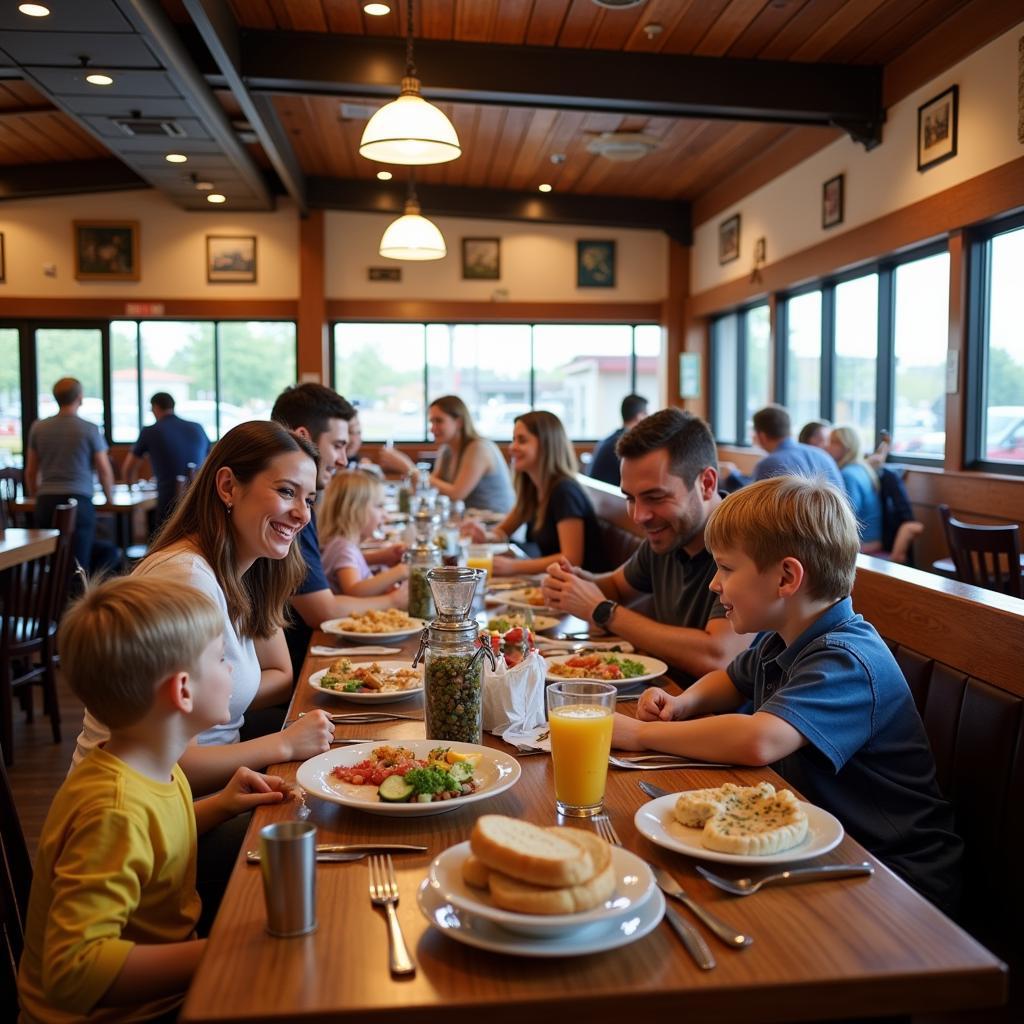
(691, 938)
(651, 790)
(670, 887)
(346, 851)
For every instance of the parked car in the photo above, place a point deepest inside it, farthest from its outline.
(1004, 437)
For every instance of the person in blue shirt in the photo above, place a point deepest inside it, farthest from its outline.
(773, 431)
(173, 445)
(605, 463)
(831, 710)
(860, 481)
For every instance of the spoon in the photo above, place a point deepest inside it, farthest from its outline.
(748, 886)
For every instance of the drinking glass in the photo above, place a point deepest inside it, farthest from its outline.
(481, 556)
(580, 720)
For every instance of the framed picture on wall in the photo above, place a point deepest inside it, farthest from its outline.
(230, 259)
(106, 250)
(729, 239)
(595, 263)
(832, 202)
(481, 259)
(937, 128)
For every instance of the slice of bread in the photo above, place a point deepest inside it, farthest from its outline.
(528, 898)
(475, 872)
(530, 853)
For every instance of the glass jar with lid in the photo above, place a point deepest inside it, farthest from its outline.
(423, 556)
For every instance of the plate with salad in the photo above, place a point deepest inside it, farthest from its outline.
(602, 667)
(369, 682)
(410, 778)
(502, 622)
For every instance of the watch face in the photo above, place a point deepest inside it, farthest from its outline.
(603, 612)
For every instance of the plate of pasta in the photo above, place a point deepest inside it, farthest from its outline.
(369, 682)
(381, 624)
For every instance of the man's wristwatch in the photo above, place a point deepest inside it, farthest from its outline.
(602, 614)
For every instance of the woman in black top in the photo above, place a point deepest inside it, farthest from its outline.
(559, 516)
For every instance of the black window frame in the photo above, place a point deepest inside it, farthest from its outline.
(740, 316)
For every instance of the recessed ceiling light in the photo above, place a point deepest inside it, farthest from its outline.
(544, 188)
(97, 78)
(216, 197)
(34, 10)
(385, 175)
(377, 9)
(176, 158)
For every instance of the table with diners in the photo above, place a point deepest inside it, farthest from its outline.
(838, 949)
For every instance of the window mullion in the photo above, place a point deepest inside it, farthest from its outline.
(828, 351)
(885, 365)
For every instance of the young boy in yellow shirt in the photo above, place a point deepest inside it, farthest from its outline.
(112, 915)
(832, 713)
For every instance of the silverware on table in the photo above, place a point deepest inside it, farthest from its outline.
(670, 887)
(748, 886)
(341, 741)
(651, 790)
(384, 893)
(360, 717)
(691, 938)
(347, 851)
(656, 762)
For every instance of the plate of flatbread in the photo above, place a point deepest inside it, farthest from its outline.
(740, 825)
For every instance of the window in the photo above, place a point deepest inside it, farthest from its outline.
(256, 362)
(759, 363)
(724, 373)
(580, 372)
(178, 357)
(1002, 425)
(124, 382)
(10, 396)
(803, 358)
(856, 348)
(920, 339)
(741, 361)
(70, 352)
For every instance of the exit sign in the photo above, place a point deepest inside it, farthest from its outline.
(143, 309)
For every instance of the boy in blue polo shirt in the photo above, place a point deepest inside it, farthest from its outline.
(832, 712)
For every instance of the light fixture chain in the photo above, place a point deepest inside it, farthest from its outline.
(410, 61)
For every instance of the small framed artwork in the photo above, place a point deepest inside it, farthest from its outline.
(230, 259)
(937, 128)
(481, 259)
(832, 202)
(384, 273)
(595, 263)
(729, 239)
(106, 250)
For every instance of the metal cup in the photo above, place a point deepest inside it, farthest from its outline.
(288, 865)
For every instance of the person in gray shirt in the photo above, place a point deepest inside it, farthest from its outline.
(669, 477)
(63, 452)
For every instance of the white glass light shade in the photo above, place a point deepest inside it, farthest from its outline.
(412, 237)
(410, 130)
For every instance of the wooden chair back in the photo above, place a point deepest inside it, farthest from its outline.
(10, 482)
(15, 883)
(984, 556)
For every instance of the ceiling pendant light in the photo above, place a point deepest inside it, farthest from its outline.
(412, 236)
(410, 130)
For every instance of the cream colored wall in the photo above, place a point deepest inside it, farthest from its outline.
(538, 262)
(787, 211)
(172, 256)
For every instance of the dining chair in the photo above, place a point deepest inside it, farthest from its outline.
(984, 556)
(33, 595)
(15, 882)
(10, 482)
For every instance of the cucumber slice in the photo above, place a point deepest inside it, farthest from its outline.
(394, 790)
(461, 771)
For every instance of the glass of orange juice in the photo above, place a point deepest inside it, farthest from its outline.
(481, 556)
(580, 720)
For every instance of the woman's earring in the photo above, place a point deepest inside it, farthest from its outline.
(229, 507)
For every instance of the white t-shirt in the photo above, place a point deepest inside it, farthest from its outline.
(184, 566)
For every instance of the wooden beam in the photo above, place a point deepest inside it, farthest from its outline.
(313, 348)
(650, 84)
(452, 311)
(32, 181)
(499, 204)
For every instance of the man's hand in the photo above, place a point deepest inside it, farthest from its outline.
(655, 705)
(567, 591)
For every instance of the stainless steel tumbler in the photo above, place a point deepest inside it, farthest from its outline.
(288, 865)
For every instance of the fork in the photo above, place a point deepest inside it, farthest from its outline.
(384, 893)
(659, 762)
(747, 886)
(691, 938)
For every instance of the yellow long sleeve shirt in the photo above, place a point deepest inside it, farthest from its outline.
(116, 866)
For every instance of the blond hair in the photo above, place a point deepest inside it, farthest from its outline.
(849, 438)
(126, 635)
(345, 507)
(791, 517)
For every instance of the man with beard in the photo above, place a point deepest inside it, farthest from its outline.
(670, 480)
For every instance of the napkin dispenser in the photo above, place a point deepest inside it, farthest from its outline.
(514, 697)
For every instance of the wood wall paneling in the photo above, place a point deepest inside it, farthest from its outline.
(490, 312)
(313, 349)
(673, 319)
(44, 307)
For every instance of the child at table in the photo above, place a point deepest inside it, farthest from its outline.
(110, 933)
(832, 712)
(351, 511)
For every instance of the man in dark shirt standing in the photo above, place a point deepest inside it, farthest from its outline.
(171, 444)
(605, 464)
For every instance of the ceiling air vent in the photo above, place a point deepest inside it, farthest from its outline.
(619, 5)
(622, 145)
(133, 126)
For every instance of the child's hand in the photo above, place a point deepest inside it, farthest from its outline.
(626, 733)
(399, 597)
(248, 789)
(310, 735)
(392, 555)
(655, 705)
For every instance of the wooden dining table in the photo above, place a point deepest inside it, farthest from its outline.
(827, 950)
(18, 545)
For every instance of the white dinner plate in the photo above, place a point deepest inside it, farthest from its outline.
(653, 668)
(516, 599)
(495, 773)
(334, 627)
(541, 623)
(371, 697)
(657, 822)
(473, 930)
(634, 884)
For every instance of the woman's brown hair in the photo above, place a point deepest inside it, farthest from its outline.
(556, 461)
(256, 600)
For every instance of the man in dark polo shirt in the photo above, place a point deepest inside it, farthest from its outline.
(670, 479)
(171, 444)
(321, 416)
